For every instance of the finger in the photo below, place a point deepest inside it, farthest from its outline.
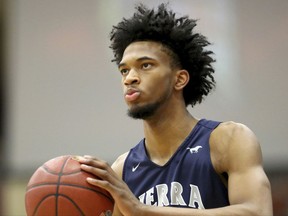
(89, 157)
(97, 163)
(93, 170)
(106, 185)
(100, 183)
(84, 158)
(102, 172)
(76, 157)
(102, 179)
(93, 161)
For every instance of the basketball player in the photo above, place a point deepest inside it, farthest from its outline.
(183, 166)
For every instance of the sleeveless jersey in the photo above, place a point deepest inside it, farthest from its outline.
(188, 179)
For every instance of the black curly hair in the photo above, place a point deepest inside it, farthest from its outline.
(177, 35)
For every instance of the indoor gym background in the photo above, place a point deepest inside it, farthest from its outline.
(62, 95)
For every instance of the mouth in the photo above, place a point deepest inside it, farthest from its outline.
(131, 95)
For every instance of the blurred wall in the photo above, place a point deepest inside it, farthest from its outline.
(1, 95)
(65, 97)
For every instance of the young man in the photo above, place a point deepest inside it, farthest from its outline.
(183, 166)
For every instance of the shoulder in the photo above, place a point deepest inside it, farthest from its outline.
(232, 143)
(118, 165)
(229, 133)
(231, 127)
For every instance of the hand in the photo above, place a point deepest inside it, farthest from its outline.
(107, 179)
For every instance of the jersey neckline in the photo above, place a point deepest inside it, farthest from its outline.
(192, 132)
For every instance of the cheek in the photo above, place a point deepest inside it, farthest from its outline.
(123, 86)
(160, 86)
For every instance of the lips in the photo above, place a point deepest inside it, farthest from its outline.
(131, 95)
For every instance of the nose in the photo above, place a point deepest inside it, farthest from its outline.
(132, 78)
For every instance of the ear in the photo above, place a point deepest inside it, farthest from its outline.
(182, 78)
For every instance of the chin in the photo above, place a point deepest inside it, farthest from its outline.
(143, 112)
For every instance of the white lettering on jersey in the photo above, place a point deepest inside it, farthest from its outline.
(149, 196)
(195, 197)
(141, 198)
(176, 194)
(160, 192)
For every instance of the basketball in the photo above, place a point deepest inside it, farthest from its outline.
(59, 188)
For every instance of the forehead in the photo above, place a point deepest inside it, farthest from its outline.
(140, 49)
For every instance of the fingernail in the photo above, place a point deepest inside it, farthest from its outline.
(83, 165)
(89, 179)
(76, 157)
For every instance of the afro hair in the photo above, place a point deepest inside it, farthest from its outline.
(177, 35)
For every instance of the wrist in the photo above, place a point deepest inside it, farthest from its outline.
(140, 209)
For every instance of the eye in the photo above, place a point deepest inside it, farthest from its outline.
(146, 66)
(124, 71)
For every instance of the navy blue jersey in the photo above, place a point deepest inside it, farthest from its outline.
(188, 179)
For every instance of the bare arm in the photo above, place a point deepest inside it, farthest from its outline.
(117, 166)
(248, 186)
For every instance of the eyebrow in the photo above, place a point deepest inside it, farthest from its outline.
(137, 60)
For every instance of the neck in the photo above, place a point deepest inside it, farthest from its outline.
(166, 132)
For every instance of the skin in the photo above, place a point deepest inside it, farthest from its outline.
(234, 148)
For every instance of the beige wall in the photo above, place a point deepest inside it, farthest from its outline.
(13, 193)
(65, 95)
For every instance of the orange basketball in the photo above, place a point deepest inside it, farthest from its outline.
(59, 188)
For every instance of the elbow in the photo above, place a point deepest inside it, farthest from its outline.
(264, 209)
(264, 205)
(264, 212)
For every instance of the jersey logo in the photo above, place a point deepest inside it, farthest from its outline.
(195, 149)
(135, 167)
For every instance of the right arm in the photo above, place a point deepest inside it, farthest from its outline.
(118, 166)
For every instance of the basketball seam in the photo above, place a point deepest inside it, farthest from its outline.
(72, 185)
(57, 173)
(59, 182)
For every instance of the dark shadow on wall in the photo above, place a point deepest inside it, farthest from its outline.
(2, 124)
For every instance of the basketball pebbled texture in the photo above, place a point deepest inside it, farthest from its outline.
(59, 188)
